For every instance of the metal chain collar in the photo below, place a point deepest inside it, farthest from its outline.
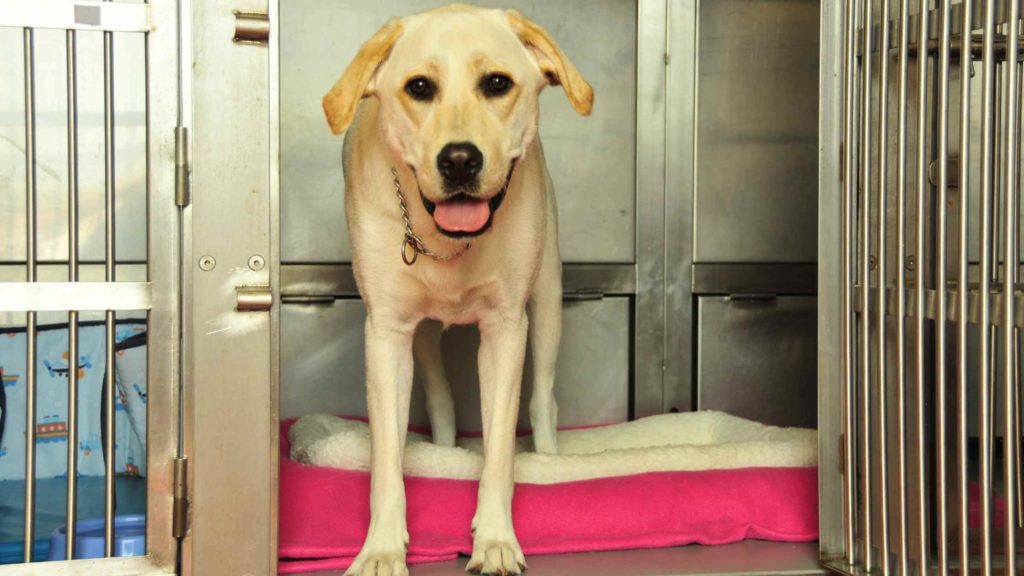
(413, 241)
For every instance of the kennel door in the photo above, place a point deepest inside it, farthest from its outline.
(920, 364)
(89, 301)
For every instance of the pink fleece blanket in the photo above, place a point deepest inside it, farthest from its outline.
(325, 512)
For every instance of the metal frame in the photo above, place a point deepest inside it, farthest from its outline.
(78, 15)
(229, 388)
(832, 269)
(159, 294)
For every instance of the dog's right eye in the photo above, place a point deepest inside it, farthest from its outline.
(421, 88)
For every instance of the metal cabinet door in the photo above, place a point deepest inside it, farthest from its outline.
(757, 359)
(592, 160)
(323, 369)
(757, 132)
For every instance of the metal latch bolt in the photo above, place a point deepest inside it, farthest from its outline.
(251, 28)
(257, 298)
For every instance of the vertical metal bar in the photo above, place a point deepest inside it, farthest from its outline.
(30, 265)
(987, 164)
(72, 423)
(865, 288)
(111, 276)
(942, 187)
(881, 432)
(1010, 184)
(901, 284)
(962, 286)
(921, 520)
(849, 259)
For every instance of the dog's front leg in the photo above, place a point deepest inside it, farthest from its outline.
(502, 347)
(389, 368)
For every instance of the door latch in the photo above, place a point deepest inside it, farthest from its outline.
(254, 298)
(251, 28)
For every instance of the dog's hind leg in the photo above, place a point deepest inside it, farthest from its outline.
(440, 404)
(389, 367)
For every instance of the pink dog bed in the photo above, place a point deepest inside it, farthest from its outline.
(617, 487)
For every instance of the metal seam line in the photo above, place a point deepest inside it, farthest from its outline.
(865, 292)
(848, 263)
(111, 276)
(30, 269)
(901, 295)
(881, 433)
(72, 456)
(919, 289)
(1011, 259)
(963, 287)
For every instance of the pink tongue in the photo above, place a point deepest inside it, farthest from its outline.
(462, 215)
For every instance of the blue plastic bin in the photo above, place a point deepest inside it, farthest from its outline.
(129, 538)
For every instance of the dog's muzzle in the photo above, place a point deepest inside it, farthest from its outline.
(464, 215)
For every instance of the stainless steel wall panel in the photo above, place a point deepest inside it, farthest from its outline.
(592, 160)
(681, 277)
(323, 369)
(756, 195)
(757, 358)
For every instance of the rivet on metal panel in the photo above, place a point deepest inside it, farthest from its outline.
(256, 263)
(911, 263)
(207, 263)
(251, 27)
(256, 298)
(873, 262)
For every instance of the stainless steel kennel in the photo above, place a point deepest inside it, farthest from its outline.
(869, 239)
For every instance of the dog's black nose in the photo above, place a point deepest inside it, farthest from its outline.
(459, 162)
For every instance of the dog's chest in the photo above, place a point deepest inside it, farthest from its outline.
(450, 303)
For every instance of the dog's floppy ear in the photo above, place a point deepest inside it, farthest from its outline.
(553, 62)
(355, 83)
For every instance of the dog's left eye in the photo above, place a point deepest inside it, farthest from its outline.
(421, 88)
(495, 84)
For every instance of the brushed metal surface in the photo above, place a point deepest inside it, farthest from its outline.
(323, 369)
(757, 132)
(747, 557)
(757, 359)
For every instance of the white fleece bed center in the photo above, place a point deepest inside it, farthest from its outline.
(686, 441)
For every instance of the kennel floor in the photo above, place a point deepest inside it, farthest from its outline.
(51, 494)
(747, 557)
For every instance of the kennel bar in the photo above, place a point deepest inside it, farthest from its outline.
(71, 513)
(965, 283)
(1011, 234)
(962, 297)
(30, 277)
(110, 276)
(154, 291)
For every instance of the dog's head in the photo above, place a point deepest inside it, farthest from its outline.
(458, 90)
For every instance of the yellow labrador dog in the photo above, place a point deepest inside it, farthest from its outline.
(452, 217)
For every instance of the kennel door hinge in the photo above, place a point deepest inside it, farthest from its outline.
(179, 520)
(182, 170)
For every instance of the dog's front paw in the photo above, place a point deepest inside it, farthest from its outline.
(499, 557)
(378, 564)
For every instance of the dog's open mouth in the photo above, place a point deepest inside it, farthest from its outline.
(463, 215)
